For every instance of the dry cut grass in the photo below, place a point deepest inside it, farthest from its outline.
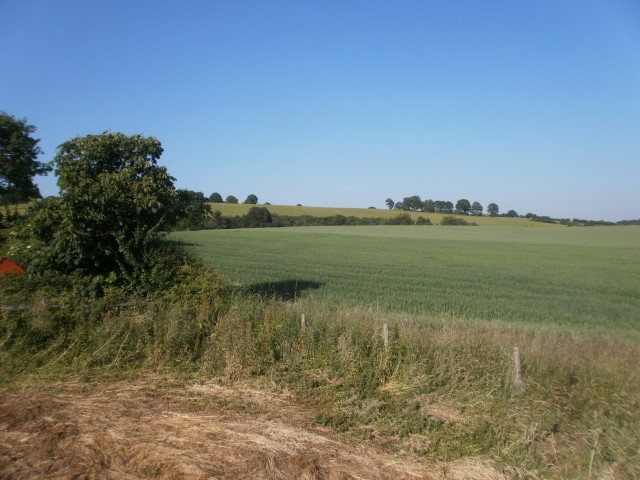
(155, 427)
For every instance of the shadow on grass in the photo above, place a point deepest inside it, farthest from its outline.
(181, 243)
(282, 290)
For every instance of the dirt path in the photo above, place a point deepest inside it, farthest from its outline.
(153, 428)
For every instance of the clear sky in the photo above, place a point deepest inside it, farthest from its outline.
(533, 105)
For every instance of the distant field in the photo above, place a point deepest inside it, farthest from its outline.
(230, 209)
(564, 276)
(21, 208)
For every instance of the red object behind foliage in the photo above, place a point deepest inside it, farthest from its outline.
(7, 266)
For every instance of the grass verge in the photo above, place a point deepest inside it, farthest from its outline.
(442, 388)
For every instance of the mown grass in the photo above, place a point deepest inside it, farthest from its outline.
(231, 209)
(576, 277)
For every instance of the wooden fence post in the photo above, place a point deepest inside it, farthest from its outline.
(517, 372)
(385, 335)
(302, 322)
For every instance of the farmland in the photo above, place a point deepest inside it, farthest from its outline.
(231, 209)
(585, 277)
(457, 300)
(205, 360)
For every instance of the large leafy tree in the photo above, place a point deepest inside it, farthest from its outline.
(413, 203)
(18, 160)
(476, 209)
(442, 206)
(115, 201)
(215, 197)
(251, 199)
(429, 206)
(493, 209)
(463, 206)
(390, 203)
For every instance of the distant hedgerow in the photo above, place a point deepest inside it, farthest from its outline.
(451, 220)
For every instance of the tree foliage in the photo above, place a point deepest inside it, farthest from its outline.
(215, 197)
(107, 223)
(442, 206)
(429, 206)
(476, 209)
(231, 199)
(402, 219)
(251, 199)
(390, 203)
(18, 160)
(258, 217)
(463, 206)
(413, 203)
(423, 221)
(493, 209)
(455, 221)
(194, 210)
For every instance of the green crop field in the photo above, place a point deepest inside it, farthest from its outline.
(564, 276)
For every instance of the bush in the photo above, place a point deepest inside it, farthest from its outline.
(402, 219)
(107, 223)
(257, 217)
(451, 220)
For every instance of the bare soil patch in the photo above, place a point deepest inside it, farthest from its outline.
(154, 428)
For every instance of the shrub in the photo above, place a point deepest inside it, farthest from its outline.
(258, 217)
(402, 219)
(451, 220)
(107, 223)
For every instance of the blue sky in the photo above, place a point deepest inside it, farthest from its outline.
(533, 105)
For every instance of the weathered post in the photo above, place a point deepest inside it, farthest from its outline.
(517, 372)
(385, 335)
(302, 322)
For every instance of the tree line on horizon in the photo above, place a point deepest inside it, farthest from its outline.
(215, 197)
(197, 205)
(462, 207)
(465, 207)
(19, 151)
